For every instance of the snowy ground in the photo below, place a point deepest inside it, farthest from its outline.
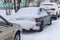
(51, 32)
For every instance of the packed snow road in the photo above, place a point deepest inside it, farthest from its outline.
(51, 32)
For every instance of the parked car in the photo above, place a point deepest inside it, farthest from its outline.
(59, 9)
(52, 8)
(34, 18)
(9, 31)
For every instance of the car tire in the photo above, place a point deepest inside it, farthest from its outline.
(17, 36)
(41, 26)
(50, 22)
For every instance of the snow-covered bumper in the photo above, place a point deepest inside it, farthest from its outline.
(27, 25)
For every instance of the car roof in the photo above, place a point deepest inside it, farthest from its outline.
(28, 10)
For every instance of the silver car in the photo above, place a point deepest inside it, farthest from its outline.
(9, 31)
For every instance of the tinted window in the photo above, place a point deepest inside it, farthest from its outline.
(48, 4)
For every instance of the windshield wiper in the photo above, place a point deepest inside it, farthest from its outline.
(8, 23)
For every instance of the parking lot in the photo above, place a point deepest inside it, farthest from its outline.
(51, 32)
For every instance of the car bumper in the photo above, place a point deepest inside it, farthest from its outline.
(31, 25)
(53, 16)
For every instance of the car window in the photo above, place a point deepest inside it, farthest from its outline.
(48, 4)
(43, 12)
(47, 10)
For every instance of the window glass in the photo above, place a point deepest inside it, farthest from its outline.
(48, 4)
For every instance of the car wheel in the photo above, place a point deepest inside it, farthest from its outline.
(17, 36)
(50, 22)
(41, 26)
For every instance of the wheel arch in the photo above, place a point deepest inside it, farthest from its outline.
(16, 31)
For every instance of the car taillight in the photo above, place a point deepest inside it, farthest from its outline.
(52, 9)
(37, 19)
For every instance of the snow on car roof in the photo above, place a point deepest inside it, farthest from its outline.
(28, 10)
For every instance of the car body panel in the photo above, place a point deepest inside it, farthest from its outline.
(8, 30)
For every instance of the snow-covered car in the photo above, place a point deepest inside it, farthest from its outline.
(9, 31)
(59, 9)
(52, 8)
(33, 18)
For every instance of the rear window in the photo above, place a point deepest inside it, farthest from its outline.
(48, 4)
